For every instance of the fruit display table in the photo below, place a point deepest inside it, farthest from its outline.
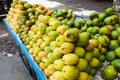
(59, 45)
(30, 66)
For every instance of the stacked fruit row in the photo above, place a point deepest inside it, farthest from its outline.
(66, 49)
(23, 15)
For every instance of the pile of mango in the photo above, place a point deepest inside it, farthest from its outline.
(65, 48)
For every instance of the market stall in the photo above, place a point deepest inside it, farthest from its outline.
(59, 45)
